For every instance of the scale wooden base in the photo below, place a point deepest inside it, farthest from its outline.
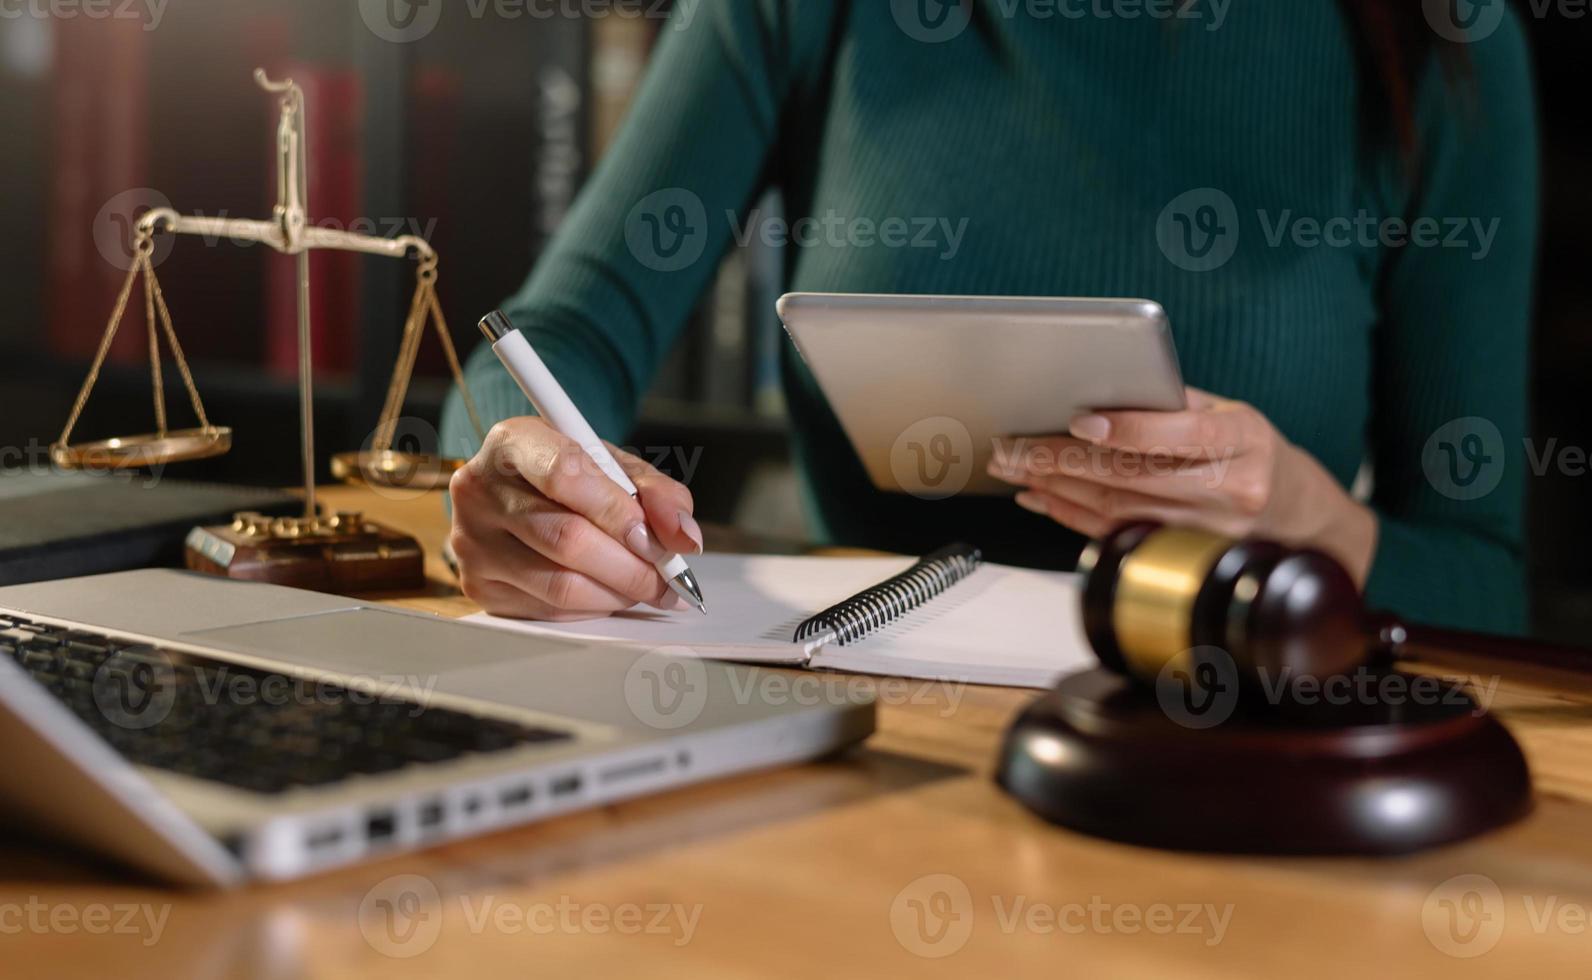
(1101, 756)
(342, 554)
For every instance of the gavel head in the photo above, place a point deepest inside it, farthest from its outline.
(1155, 596)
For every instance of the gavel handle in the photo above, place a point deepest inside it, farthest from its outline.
(1398, 639)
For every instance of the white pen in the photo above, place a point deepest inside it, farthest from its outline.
(554, 406)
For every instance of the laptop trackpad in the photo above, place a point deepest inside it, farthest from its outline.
(378, 643)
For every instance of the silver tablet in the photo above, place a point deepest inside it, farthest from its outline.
(923, 385)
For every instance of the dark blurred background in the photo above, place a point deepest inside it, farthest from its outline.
(477, 135)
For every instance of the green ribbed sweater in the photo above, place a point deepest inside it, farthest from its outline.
(1061, 142)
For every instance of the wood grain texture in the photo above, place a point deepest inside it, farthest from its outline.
(900, 859)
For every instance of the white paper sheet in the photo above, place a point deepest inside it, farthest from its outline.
(999, 626)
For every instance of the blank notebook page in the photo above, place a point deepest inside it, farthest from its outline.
(998, 626)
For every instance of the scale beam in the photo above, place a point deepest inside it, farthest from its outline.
(274, 235)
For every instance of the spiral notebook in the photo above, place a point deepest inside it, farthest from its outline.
(949, 616)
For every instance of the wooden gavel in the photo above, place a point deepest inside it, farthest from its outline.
(1153, 595)
(1157, 748)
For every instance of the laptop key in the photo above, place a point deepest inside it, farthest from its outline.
(241, 727)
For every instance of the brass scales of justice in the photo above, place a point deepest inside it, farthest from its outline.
(335, 552)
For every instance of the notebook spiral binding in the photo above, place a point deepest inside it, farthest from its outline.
(893, 598)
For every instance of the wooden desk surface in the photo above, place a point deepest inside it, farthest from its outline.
(902, 859)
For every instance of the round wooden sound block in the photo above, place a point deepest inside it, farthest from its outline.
(1383, 775)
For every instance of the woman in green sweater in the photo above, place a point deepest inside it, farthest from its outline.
(1336, 203)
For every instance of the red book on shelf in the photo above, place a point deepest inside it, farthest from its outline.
(437, 114)
(100, 165)
(334, 114)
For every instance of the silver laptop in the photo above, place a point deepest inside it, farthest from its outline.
(215, 732)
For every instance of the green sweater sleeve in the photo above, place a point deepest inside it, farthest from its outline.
(1449, 419)
(619, 280)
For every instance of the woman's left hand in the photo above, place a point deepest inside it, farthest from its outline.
(1220, 465)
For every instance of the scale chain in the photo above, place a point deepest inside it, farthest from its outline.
(104, 347)
(441, 323)
(423, 305)
(176, 348)
(154, 306)
(408, 350)
(157, 382)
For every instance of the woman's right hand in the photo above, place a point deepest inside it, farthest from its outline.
(541, 533)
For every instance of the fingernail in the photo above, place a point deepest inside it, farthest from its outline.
(1030, 501)
(692, 530)
(640, 541)
(670, 601)
(1091, 428)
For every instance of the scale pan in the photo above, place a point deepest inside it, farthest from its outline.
(126, 452)
(407, 471)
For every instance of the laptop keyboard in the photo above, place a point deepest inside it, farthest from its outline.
(247, 728)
